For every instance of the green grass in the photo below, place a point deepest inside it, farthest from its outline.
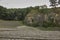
(4, 23)
(49, 28)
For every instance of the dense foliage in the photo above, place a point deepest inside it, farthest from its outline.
(13, 14)
(16, 13)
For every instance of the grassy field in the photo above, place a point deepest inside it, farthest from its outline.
(14, 24)
(8, 24)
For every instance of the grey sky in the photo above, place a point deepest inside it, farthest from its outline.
(23, 3)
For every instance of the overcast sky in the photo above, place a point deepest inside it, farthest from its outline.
(23, 3)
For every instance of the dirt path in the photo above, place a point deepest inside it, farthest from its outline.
(28, 32)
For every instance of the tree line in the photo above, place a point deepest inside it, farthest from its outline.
(16, 13)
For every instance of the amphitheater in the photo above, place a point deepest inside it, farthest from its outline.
(28, 33)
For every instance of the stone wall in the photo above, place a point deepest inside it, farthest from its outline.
(39, 18)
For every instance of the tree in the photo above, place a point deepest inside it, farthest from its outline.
(2, 12)
(53, 3)
(59, 2)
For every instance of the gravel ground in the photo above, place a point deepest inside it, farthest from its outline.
(28, 33)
